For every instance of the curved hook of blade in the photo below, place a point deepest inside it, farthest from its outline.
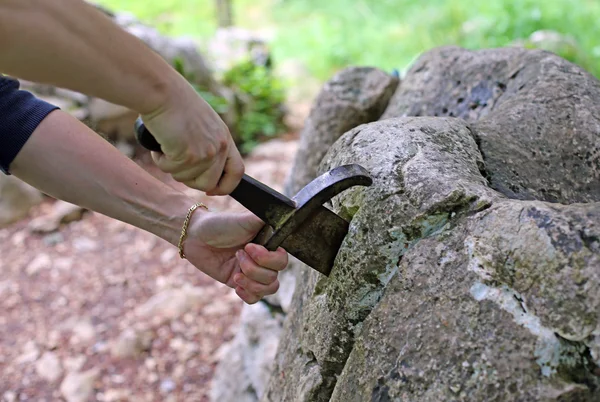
(312, 197)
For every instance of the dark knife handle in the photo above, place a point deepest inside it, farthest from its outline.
(145, 137)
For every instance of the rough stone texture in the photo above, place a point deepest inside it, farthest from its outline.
(494, 309)
(244, 377)
(16, 199)
(533, 113)
(387, 218)
(354, 96)
(475, 296)
(79, 386)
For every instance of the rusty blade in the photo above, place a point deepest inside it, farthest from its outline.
(315, 194)
(317, 242)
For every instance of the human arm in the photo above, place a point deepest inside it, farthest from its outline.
(71, 44)
(67, 160)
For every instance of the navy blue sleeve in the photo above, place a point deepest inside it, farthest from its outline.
(20, 113)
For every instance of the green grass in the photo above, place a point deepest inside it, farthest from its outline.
(330, 34)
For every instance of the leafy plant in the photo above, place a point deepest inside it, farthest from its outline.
(218, 103)
(261, 96)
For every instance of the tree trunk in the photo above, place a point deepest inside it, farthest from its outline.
(224, 13)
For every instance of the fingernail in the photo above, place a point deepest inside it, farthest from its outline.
(251, 249)
(238, 255)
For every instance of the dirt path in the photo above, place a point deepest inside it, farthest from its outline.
(103, 307)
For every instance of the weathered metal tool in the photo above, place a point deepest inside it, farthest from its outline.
(301, 225)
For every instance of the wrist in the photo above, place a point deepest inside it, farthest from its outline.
(174, 218)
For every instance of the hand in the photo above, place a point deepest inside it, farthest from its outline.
(217, 244)
(197, 147)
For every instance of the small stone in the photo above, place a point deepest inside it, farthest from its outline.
(168, 255)
(171, 303)
(30, 353)
(63, 263)
(53, 339)
(179, 371)
(78, 387)
(84, 244)
(167, 386)
(41, 261)
(100, 347)
(48, 367)
(185, 350)
(17, 238)
(150, 363)
(117, 395)
(117, 378)
(455, 388)
(131, 343)
(53, 239)
(62, 212)
(83, 332)
(73, 364)
(152, 378)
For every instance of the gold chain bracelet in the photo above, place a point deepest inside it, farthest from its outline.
(185, 226)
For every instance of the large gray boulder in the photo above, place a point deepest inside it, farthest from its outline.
(470, 272)
(532, 112)
(353, 96)
(444, 289)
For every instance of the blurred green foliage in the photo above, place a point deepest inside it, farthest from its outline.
(329, 35)
(260, 109)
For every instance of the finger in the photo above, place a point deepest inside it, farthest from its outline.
(254, 287)
(245, 296)
(209, 179)
(233, 171)
(255, 272)
(168, 164)
(189, 174)
(276, 260)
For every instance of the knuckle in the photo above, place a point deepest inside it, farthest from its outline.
(248, 268)
(238, 169)
(260, 258)
(272, 276)
(209, 153)
(274, 288)
(255, 288)
(223, 144)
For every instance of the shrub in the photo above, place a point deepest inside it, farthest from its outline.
(260, 108)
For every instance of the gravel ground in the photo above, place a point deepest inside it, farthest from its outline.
(102, 311)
